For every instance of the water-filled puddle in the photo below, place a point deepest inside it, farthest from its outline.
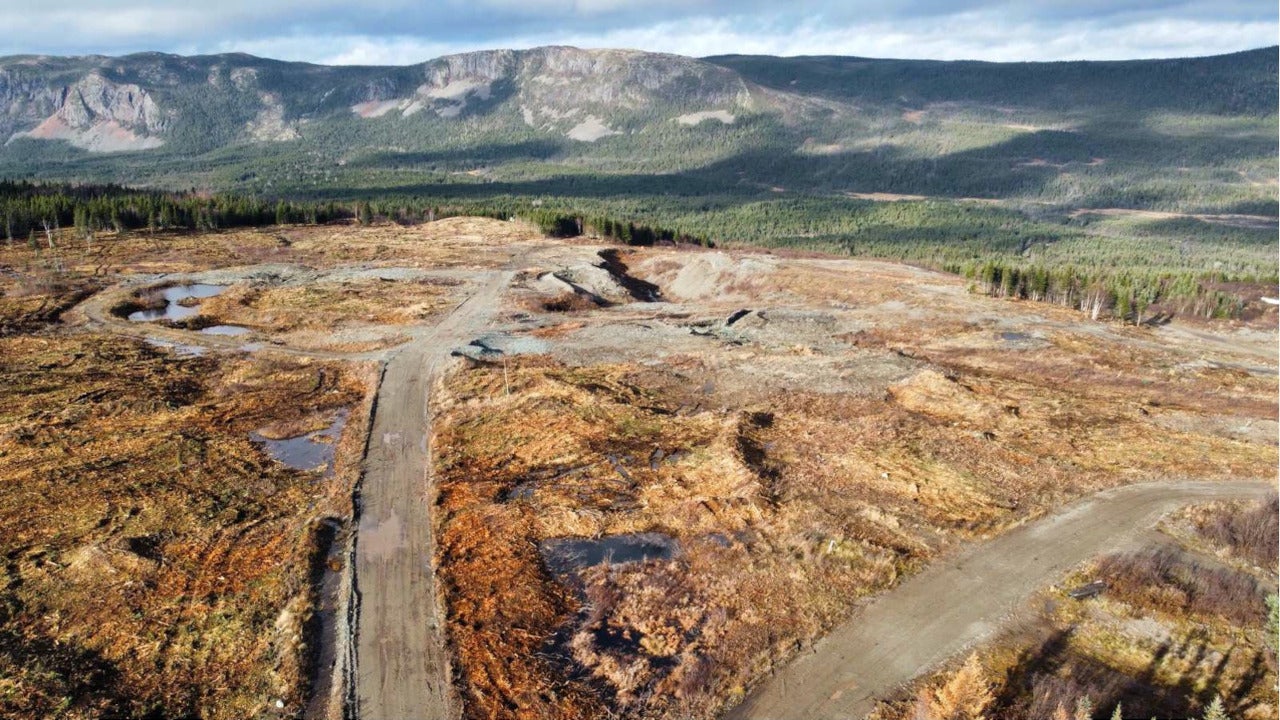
(566, 558)
(225, 330)
(174, 297)
(307, 452)
(1015, 336)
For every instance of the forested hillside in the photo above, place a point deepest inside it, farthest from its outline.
(1184, 135)
(1026, 176)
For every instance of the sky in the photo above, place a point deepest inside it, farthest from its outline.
(402, 32)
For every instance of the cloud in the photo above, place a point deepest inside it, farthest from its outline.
(405, 32)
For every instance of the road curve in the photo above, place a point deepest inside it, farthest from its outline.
(401, 663)
(960, 601)
(96, 310)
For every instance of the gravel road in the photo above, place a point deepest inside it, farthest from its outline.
(961, 601)
(401, 664)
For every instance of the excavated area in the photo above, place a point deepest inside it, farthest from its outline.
(786, 437)
(658, 475)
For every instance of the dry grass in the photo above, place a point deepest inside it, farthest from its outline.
(786, 510)
(1167, 637)
(327, 306)
(567, 301)
(156, 559)
(1249, 531)
(452, 242)
(1163, 580)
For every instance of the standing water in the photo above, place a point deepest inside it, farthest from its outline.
(174, 296)
(307, 452)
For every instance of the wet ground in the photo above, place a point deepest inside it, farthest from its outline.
(314, 451)
(180, 302)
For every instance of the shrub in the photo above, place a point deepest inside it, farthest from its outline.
(1165, 579)
(1252, 534)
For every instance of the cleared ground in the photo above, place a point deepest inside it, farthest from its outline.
(654, 478)
(804, 432)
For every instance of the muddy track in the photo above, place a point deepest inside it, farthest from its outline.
(395, 661)
(961, 600)
(401, 663)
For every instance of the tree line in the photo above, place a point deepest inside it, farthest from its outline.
(1129, 295)
(1004, 253)
(29, 209)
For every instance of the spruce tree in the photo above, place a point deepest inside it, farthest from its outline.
(1215, 711)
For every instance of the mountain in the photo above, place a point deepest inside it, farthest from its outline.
(146, 101)
(1195, 133)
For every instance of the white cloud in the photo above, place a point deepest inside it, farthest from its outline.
(404, 32)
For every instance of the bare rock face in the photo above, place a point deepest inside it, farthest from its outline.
(585, 95)
(95, 99)
(99, 115)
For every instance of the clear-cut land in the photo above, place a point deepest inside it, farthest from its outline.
(736, 452)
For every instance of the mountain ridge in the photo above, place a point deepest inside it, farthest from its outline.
(1146, 133)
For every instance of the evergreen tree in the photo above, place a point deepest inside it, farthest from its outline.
(1215, 711)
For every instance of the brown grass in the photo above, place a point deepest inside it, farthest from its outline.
(1251, 531)
(786, 510)
(1168, 636)
(1163, 580)
(327, 306)
(452, 242)
(157, 559)
(567, 301)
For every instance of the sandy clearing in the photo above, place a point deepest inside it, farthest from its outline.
(590, 130)
(696, 118)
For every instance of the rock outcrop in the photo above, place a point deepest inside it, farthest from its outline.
(98, 115)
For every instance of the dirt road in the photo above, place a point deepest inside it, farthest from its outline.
(960, 601)
(401, 666)
(96, 311)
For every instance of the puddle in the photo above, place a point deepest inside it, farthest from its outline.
(307, 452)
(1022, 340)
(523, 491)
(173, 297)
(566, 558)
(225, 330)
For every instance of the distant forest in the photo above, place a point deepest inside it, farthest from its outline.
(1134, 270)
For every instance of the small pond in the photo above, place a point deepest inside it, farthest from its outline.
(174, 297)
(225, 330)
(566, 558)
(307, 452)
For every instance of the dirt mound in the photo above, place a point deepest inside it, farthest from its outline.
(584, 279)
(707, 276)
(932, 393)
